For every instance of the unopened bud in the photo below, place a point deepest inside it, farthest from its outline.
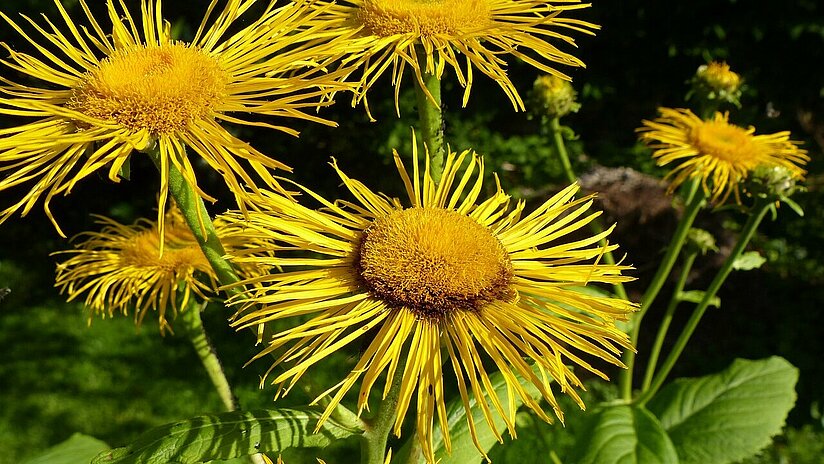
(553, 97)
(772, 181)
(716, 82)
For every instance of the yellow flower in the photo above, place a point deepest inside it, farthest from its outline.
(719, 153)
(476, 278)
(95, 97)
(122, 266)
(429, 35)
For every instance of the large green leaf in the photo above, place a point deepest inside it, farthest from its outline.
(623, 434)
(226, 436)
(77, 449)
(728, 416)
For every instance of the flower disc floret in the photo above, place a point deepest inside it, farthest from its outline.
(385, 18)
(726, 142)
(136, 266)
(433, 262)
(162, 89)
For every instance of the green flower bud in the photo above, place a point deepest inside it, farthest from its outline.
(772, 181)
(553, 97)
(715, 82)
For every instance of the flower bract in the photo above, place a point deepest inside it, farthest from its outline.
(438, 291)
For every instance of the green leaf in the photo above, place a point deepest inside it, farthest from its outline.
(697, 296)
(78, 448)
(226, 436)
(748, 261)
(623, 434)
(728, 416)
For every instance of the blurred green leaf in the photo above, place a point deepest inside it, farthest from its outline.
(623, 434)
(696, 296)
(748, 261)
(226, 436)
(728, 416)
(78, 448)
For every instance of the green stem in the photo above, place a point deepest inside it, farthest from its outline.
(759, 211)
(560, 147)
(374, 439)
(430, 122)
(193, 209)
(667, 320)
(190, 203)
(595, 226)
(664, 269)
(193, 325)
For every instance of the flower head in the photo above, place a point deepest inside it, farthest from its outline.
(122, 266)
(719, 153)
(96, 97)
(454, 271)
(429, 35)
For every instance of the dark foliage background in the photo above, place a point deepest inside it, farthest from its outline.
(639, 60)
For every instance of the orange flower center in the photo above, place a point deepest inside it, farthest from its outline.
(161, 89)
(433, 261)
(726, 142)
(143, 251)
(385, 18)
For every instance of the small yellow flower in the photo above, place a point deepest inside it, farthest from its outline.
(451, 279)
(431, 35)
(719, 153)
(95, 97)
(122, 266)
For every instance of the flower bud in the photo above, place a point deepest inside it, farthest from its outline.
(772, 181)
(553, 97)
(716, 82)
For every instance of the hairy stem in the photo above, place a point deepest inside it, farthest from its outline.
(430, 122)
(374, 439)
(197, 218)
(194, 329)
